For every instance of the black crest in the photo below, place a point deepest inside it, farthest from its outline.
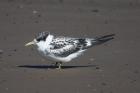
(42, 36)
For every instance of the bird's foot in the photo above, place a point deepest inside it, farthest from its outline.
(58, 64)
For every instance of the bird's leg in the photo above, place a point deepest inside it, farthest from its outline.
(59, 65)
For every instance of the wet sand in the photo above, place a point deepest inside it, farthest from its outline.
(113, 67)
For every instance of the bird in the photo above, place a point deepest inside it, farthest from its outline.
(63, 49)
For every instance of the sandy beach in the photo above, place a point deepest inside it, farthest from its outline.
(113, 67)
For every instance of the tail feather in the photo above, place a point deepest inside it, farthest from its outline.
(102, 39)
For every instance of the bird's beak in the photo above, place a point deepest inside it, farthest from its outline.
(30, 43)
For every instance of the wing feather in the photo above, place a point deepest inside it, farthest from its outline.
(65, 51)
(64, 46)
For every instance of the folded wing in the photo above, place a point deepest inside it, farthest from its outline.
(63, 47)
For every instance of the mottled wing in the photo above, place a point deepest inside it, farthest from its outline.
(63, 46)
(60, 42)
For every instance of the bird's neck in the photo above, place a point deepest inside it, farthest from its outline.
(49, 39)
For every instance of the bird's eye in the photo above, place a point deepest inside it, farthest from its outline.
(38, 39)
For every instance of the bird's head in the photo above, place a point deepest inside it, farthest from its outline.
(40, 37)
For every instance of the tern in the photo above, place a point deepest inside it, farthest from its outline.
(63, 49)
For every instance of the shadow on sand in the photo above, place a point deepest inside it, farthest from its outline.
(53, 67)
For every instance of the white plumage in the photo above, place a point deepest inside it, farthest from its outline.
(64, 49)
